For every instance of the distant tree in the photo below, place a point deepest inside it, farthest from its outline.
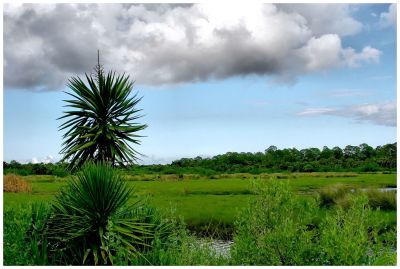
(366, 151)
(15, 164)
(387, 155)
(351, 151)
(271, 149)
(311, 154)
(337, 153)
(101, 124)
(326, 153)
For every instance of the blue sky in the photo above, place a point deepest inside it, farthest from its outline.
(335, 86)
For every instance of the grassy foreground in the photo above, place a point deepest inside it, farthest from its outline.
(265, 215)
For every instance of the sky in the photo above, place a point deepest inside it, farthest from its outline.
(213, 79)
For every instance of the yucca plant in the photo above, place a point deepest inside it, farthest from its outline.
(90, 221)
(100, 125)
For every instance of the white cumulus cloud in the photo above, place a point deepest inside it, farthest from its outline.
(167, 44)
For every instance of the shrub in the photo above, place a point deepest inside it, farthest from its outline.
(278, 228)
(40, 169)
(275, 229)
(370, 167)
(350, 237)
(18, 171)
(308, 168)
(14, 183)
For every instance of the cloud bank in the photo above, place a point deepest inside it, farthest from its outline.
(161, 44)
(379, 113)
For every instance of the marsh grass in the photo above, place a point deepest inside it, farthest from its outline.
(340, 195)
(385, 200)
(201, 201)
(330, 195)
(14, 183)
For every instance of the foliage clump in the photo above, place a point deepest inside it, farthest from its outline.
(276, 228)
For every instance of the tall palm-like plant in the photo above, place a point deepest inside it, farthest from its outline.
(100, 123)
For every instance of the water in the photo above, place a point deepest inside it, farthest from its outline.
(220, 247)
(387, 189)
(382, 189)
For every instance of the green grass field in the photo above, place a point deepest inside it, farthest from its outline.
(204, 202)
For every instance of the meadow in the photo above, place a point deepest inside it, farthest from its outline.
(210, 204)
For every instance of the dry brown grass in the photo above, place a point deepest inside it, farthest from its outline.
(14, 183)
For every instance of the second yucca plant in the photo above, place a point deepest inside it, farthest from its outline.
(90, 213)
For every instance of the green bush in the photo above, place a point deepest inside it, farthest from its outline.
(350, 237)
(370, 167)
(277, 228)
(18, 171)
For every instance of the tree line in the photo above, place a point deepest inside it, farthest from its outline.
(362, 158)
